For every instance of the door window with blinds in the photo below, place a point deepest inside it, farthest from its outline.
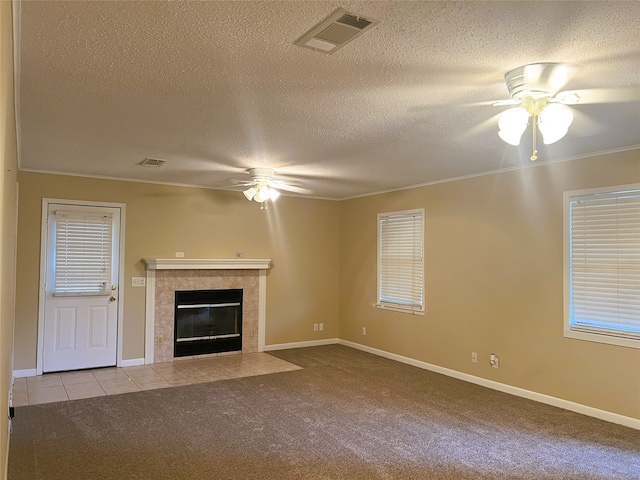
(401, 261)
(83, 253)
(602, 265)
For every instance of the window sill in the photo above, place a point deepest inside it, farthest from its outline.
(601, 338)
(399, 309)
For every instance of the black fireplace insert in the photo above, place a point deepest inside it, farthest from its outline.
(207, 321)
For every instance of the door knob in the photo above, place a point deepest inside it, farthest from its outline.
(112, 298)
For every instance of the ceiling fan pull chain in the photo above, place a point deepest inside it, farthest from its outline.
(534, 156)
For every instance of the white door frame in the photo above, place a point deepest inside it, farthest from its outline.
(43, 272)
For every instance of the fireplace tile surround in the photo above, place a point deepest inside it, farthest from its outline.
(166, 276)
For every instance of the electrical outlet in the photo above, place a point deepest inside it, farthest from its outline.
(474, 357)
(321, 326)
(179, 254)
(160, 339)
(364, 330)
(315, 327)
(138, 281)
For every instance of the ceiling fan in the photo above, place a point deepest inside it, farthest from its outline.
(263, 186)
(535, 90)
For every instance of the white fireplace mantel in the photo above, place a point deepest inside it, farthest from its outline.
(207, 263)
(153, 264)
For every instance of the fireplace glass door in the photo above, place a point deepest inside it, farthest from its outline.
(208, 321)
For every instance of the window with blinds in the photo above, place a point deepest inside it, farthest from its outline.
(400, 261)
(602, 250)
(83, 253)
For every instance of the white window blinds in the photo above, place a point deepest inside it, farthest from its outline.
(83, 253)
(400, 260)
(604, 256)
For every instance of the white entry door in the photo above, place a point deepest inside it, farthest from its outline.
(81, 289)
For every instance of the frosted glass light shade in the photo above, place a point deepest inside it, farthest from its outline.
(512, 124)
(250, 193)
(263, 194)
(273, 194)
(554, 122)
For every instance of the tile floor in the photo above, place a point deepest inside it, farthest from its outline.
(58, 387)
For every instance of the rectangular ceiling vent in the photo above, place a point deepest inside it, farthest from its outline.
(335, 32)
(152, 162)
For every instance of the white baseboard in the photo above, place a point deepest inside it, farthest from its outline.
(520, 392)
(32, 372)
(27, 372)
(132, 362)
(310, 343)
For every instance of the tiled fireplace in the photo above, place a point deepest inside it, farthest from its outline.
(166, 276)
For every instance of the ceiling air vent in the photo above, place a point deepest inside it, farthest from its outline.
(152, 162)
(335, 32)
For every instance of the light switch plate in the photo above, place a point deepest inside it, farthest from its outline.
(138, 281)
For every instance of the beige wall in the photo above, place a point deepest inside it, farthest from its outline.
(298, 234)
(494, 283)
(8, 186)
(493, 270)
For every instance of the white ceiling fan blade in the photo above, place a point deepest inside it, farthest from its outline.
(241, 183)
(504, 103)
(585, 125)
(490, 103)
(482, 129)
(289, 188)
(264, 176)
(599, 95)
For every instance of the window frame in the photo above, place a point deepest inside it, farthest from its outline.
(398, 306)
(587, 333)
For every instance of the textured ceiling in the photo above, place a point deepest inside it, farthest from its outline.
(215, 88)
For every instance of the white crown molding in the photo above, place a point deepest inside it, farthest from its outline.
(207, 263)
(501, 170)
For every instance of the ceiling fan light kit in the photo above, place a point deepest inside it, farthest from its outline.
(260, 191)
(261, 194)
(534, 87)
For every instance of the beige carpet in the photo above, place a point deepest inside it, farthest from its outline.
(345, 415)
